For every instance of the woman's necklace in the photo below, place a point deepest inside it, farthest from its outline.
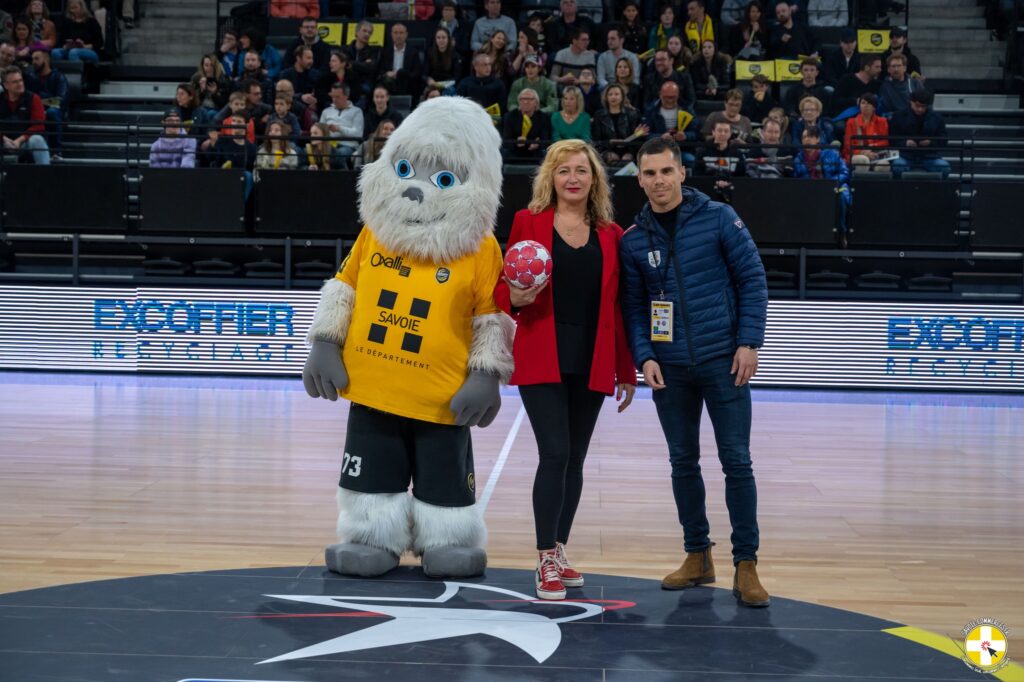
(571, 234)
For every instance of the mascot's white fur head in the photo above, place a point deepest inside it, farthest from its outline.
(434, 192)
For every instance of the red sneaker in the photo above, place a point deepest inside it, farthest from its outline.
(569, 576)
(548, 584)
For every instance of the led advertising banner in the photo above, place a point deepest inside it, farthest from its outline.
(155, 330)
(232, 331)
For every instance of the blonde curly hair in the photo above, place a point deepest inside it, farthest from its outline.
(599, 200)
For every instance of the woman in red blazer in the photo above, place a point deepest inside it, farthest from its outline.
(570, 346)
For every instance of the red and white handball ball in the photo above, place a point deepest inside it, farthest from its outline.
(527, 264)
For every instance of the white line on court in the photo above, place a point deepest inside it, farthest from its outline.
(492, 480)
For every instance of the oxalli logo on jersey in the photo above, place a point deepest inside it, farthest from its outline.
(393, 262)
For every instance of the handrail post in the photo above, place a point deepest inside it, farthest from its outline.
(75, 258)
(288, 262)
(802, 274)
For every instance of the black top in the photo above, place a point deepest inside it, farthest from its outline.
(87, 31)
(577, 301)
(667, 220)
(241, 156)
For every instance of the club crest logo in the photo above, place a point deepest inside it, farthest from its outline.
(654, 258)
(985, 645)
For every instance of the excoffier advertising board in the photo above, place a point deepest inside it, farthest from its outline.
(234, 331)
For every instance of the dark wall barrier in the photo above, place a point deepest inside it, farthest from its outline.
(516, 191)
(79, 198)
(995, 218)
(776, 211)
(781, 212)
(910, 214)
(194, 200)
(300, 203)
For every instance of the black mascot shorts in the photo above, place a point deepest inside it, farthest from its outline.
(383, 452)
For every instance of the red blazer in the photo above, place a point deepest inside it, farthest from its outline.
(534, 349)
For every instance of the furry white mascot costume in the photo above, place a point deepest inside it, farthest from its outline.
(408, 331)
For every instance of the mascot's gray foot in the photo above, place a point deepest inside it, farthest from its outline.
(454, 562)
(348, 558)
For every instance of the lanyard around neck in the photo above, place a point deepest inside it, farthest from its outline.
(671, 248)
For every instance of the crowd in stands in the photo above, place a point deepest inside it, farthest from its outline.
(34, 90)
(663, 70)
(614, 73)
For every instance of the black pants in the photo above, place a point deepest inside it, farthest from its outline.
(563, 417)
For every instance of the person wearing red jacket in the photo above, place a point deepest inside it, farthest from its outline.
(570, 347)
(860, 153)
(22, 120)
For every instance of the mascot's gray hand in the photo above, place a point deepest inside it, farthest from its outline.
(324, 374)
(477, 402)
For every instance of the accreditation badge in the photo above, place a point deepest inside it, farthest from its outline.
(661, 321)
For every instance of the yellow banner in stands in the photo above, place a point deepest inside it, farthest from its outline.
(376, 38)
(787, 70)
(872, 39)
(746, 70)
(331, 32)
(495, 111)
(683, 119)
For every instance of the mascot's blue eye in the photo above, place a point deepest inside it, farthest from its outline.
(404, 169)
(445, 179)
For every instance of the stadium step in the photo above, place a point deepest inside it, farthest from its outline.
(957, 11)
(927, 41)
(154, 89)
(978, 103)
(160, 11)
(96, 161)
(983, 131)
(156, 99)
(931, 60)
(919, 23)
(95, 115)
(186, 61)
(928, 6)
(960, 38)
(968, 73)
(174, 33)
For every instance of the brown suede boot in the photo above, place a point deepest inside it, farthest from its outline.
(697, 569)
(747, 588)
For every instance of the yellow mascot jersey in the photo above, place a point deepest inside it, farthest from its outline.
(412, 325)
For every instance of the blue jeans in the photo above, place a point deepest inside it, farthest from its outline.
(53, 115)
(679, 405)
(34, 149)
(75, 54)
(342, 156)
(901, 165)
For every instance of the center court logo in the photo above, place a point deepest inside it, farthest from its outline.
(985, 645)
(449, 615)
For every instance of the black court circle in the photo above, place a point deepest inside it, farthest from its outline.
(306, 624)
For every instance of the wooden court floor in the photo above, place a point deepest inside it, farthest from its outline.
(900, 506)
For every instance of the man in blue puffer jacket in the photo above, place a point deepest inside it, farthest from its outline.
(695, 300)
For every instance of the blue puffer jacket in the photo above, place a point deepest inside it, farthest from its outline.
(715, 279)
